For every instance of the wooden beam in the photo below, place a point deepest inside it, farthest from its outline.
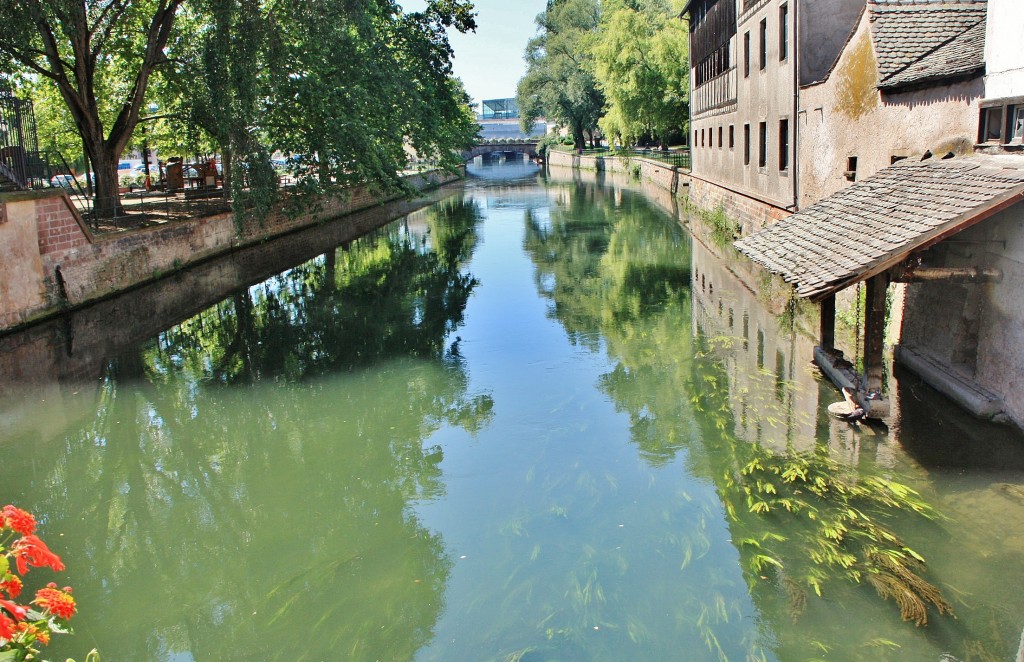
(874, 330)
(827, 338)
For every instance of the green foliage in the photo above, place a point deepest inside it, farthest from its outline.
(836, 519)
(559, 83)
(724, 230)
(351, 118)
(640, 55)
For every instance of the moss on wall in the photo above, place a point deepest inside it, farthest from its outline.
(858, 79)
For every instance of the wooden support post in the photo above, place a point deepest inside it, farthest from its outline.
(827, 341)
(874, 330)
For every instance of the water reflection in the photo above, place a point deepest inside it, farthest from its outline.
(534, 422)
(271, 519)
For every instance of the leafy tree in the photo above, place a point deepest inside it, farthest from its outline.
(559, 83)
(348, 84)
(641, 56)
(100, 56)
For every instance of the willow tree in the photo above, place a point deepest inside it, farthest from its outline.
(354, 83)
(559, 83)
(100, 55)
(641, 63)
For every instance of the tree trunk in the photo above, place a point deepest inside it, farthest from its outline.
(578, 139)
(225, 164)
(107, 201)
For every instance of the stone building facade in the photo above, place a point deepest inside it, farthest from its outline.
(792, 100)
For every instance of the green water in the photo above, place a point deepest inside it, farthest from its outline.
(520, 424)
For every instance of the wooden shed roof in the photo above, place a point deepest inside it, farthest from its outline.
(877, 223)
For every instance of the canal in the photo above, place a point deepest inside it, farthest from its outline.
(534, 420)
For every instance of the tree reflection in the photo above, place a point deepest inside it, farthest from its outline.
(799, 520)
(244, 490)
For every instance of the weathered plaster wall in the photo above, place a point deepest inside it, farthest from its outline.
(846, 116)
(764, 96)
(825, 27)
(92, 268)
(1004, 59)
(976, 330)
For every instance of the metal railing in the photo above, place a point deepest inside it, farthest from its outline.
(679, 158)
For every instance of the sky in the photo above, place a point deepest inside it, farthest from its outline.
(490, 61)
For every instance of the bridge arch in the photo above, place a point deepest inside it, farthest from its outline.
(525, 147)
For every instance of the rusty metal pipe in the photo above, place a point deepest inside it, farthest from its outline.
(948, 274)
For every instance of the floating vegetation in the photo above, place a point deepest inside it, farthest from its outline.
(832, 516)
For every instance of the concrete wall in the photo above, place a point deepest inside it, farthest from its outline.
(976, 330)
(66, 266)
(764, 96)
(660, 174)
(825, 27)
(1004, 59)
(846, 116)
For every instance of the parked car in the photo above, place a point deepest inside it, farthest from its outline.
(65, 181)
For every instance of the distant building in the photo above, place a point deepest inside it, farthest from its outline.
(499, 109)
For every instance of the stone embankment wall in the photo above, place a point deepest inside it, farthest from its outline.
(750, 213)
(661, 174)
(50, 261)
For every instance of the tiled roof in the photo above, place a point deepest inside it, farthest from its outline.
(876, 223)
(921, 41)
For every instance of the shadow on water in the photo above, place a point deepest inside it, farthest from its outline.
(247, 471)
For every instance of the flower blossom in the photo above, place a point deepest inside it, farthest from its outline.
(58, 602)
(7, 625)
(11, 586)
(31, 551)
(18, 519)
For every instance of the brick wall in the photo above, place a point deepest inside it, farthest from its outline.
(73, 267)
(751, 213)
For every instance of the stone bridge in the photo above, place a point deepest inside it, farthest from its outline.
(528, 147)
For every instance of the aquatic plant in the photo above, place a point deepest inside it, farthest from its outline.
(807, 520)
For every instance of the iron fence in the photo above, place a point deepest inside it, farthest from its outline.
(679, 158)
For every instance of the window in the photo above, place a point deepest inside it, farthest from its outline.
(762, 145)
(732, 136)
(992, 124)
(746, 54)
(783, 32)
(764, 43)
(746, 144)
(720, 145)
(1018, 124)
(702, 137)
(851, 168)
(711, 137)
(896, 158)
(783, 144)
(695, 143)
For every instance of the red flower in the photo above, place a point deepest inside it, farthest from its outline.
(19, 520)
(11, 586)
(31, 551)
(6, 627)
(15, 610)
(58, 602)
